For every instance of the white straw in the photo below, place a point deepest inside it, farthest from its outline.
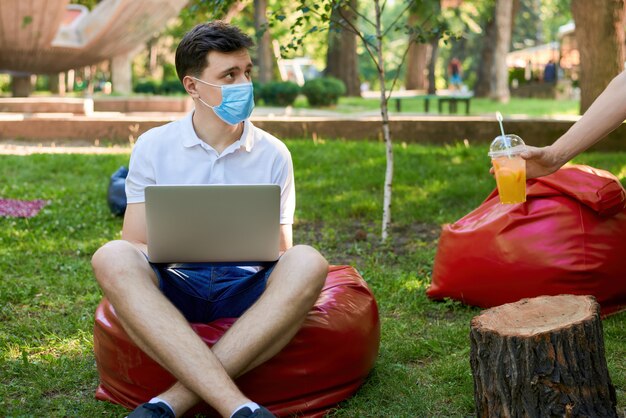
(499, 117)
(506, 139)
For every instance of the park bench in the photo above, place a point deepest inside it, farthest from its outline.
(451, 99)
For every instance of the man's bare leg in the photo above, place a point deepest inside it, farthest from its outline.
(250, 342)
(129, 283)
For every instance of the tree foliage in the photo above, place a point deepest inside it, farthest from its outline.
(89, 3)
(538, 21)
(315, 16)
(200, 11)
(312, 17)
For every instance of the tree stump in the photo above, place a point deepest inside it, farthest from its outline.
(541, 357)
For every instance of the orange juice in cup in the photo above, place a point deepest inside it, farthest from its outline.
(510, 178)
(509, 167)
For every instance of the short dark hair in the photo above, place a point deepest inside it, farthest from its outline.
(218, 36)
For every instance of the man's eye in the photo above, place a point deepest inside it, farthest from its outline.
(230, 75)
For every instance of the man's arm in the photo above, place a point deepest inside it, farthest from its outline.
(286, 237)
(134, 229)
(605, 114)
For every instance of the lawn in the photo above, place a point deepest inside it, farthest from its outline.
(48, 295)
(517, 106)
(479, 106)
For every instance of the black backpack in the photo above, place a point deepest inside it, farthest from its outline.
(116, 194)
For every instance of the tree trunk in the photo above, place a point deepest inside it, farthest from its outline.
(57, 83)
(484, 82)
(71, 74)
(434, 53)
(341, 58)
(417, 61)
(384, 112)
(21, 85)
(153, 54)
(541, 357)
(122, 73)
(504, 19)
(539, 37)
(600, 39)
(265, 57)
(90, 75)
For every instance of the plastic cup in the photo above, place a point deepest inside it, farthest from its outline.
(509, 167)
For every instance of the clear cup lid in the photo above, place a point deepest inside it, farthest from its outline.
(506, 146)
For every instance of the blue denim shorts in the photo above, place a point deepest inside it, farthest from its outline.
(204, 292)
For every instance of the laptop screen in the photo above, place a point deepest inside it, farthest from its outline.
(213, 223)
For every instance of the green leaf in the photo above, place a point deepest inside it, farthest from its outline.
(27, 20)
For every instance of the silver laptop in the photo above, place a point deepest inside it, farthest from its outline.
(213, 223)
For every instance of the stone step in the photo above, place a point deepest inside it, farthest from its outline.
(86, 106)
(78, 106)
(474, 130)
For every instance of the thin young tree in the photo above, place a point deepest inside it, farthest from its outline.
(373, 35)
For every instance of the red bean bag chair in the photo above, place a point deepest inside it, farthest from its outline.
(569, 237)
(325, 363)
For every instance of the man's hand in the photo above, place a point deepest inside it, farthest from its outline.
(540, 161)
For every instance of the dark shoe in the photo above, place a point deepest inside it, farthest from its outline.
(152, 410)
(259, 413)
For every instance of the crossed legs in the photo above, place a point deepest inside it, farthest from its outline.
(159, 329)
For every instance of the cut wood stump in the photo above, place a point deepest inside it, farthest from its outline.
(541, 357)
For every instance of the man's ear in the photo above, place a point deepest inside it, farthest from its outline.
(190, 85)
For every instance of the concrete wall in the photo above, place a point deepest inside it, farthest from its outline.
(437, 130)
(434, 130)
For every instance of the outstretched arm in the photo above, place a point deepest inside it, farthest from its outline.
(606, 113)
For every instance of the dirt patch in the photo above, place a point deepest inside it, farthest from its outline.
(352, 243)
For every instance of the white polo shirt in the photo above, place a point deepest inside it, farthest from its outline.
(173, 154)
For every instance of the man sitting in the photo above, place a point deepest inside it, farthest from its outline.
(216, 143)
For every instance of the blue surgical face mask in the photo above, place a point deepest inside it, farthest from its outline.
(237, 101)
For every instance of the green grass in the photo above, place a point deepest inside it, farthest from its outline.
(48, 295)
(479, 106)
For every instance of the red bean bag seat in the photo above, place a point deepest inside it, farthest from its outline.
(568, 238)
(325, 363)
